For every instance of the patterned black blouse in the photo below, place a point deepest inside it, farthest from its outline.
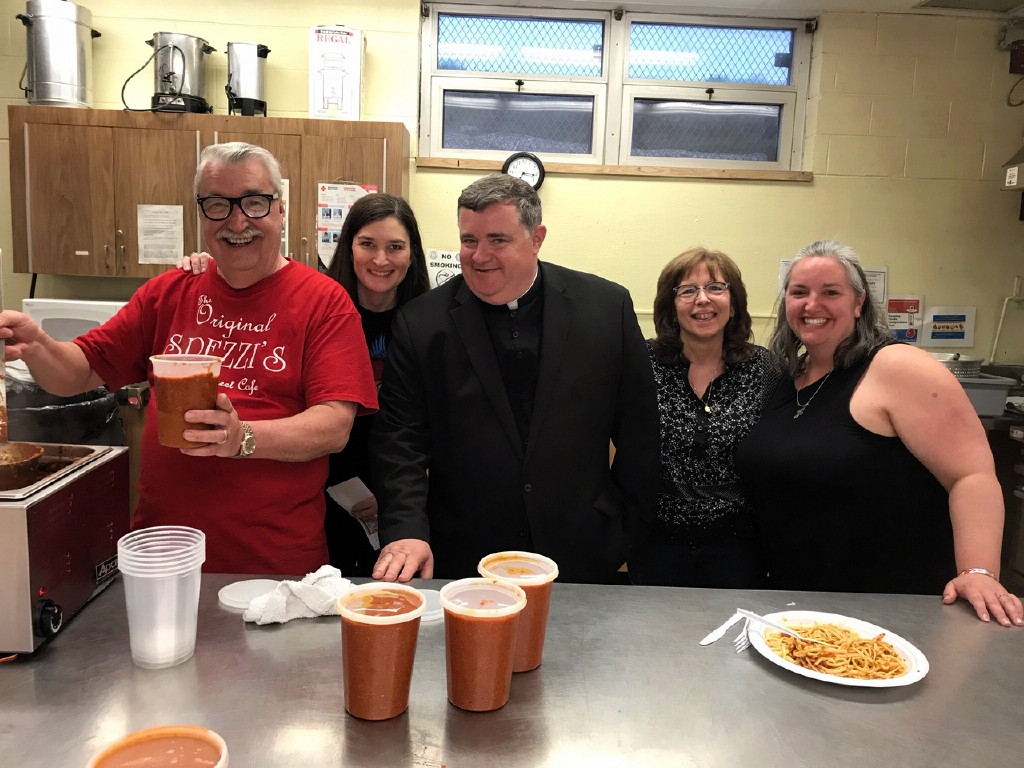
(700, 499)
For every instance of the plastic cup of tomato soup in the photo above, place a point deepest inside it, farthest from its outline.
(534, 573)
(183, 746)
(480, 621)
(379, 625)
(183, 383)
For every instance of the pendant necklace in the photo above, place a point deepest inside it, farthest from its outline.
(706, 400)
(801, 407)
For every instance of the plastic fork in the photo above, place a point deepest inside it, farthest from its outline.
(742, 641)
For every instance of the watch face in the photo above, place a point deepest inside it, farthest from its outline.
(526, 167)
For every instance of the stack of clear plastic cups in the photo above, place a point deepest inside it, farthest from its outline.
(161, 568)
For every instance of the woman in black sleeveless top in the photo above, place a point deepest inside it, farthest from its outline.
(869, 469)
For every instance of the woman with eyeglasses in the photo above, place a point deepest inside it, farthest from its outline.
(712, 383)
(870, 469)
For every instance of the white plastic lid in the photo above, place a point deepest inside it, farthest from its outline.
(434, 610)
(240, 593)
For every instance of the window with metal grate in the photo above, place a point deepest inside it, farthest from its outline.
(613, 88)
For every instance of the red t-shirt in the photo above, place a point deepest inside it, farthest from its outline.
(289, 342)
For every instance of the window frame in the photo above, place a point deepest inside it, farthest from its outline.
(678, 93)
(597, 133)
(613, 91)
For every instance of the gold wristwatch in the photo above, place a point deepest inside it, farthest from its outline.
(248, 441)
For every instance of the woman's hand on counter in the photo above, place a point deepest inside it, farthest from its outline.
(988, 597)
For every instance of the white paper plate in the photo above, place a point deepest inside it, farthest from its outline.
(917, 664)
(240, 593)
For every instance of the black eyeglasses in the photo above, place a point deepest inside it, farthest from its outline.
(712, 290)
(217, 208)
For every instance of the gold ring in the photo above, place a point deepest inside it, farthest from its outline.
(225, 438)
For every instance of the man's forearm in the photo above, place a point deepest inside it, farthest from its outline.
(319, 430)
(60, 367)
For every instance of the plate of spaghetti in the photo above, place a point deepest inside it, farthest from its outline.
(858, 653)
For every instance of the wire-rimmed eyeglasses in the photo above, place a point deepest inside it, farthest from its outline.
(713, 290)
(217, 208)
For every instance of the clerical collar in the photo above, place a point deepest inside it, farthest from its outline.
(529, 294)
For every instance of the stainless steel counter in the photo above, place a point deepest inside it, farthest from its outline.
(623, 683)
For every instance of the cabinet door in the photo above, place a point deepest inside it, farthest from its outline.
(69, 199)
(287, 148)
(152, 167)
(352, 160)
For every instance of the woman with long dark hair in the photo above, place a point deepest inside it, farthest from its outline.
(381, 263)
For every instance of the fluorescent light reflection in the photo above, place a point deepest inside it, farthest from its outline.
(663, 58)
(304, 741)
(472, 51)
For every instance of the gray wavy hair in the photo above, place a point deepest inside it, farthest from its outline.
(502, 188)
(234, 152)
(870, 330)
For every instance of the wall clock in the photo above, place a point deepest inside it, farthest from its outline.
(525, 166)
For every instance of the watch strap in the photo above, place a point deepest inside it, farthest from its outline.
(248, 445)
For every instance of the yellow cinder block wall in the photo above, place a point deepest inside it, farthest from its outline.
(907, 130)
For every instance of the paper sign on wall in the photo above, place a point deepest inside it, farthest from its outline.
(161, 233)
(335, 72)
(906, 317)
(442, 266)
(333, 202)
(949, 327)
(287, 213)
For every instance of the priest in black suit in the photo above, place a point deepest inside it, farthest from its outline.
(503, 391)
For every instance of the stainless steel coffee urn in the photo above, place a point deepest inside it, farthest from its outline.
(59, 67)
(179, 72)
(247, 78)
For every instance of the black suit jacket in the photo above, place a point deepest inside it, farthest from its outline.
(447, 457)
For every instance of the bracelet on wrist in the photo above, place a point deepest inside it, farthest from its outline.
(982, 571)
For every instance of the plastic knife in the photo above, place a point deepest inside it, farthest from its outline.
(717, 634)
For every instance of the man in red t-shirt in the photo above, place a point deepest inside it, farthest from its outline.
(295, 371)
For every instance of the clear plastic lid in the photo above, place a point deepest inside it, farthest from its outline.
(240, 593)
(524, 568)
(382, 602)
(482, 598)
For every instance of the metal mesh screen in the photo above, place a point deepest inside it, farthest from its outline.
(517, 121)
(520, 45)
(710, 54)
(715, 130)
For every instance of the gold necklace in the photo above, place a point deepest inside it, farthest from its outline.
(706, 400)
(801, 407)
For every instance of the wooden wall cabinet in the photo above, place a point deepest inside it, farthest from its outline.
(78, 177)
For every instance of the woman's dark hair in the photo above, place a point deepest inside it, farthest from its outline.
(736, 347)
(870, 330)
(366, 210)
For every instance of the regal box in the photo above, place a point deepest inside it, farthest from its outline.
(335, 72)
